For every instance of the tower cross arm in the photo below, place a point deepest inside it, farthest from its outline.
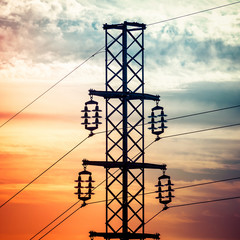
(127, 95)
(129, 165)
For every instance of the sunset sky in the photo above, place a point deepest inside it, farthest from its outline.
(193, 63)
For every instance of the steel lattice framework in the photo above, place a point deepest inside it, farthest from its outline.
(125, 164)
(124, 74)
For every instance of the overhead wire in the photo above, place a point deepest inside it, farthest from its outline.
(174, 135)
(68, 210)
(54, 220)
(184, 116)
(204, 112)
(27, 185)
(200, 184)
(202, 130)
(50, 88)
(186, 133)
(208, 201)
(61, 222)
(83, 205)
(164, 208)
(193, 13)
(193, 203)
(101, 132)
(150, 219)
(207, 183)
(181, 134)
(68, 217)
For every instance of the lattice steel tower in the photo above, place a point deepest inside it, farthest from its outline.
(124, 163)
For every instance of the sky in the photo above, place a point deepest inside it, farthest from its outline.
(193, 63)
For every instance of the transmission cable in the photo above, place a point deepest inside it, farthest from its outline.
(202, 130)
(69, 209)
(194, 13)
(209, 201)
(187, 133)
(44, 172)
(200, 184)
(42, 94)
(100, 201)
(201, 113)
(61, 222)
(83, 205)
(164, 208)
(184, 116)
(192, 132)
(190, 204)
(55, 219)
(158, 138)
(205, 112)
(207, 183)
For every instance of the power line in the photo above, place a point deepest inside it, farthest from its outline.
(69, 209)
(165, 208)
(205, 112)
(61, 222)
(194, 203)
(55, 219)
(194, 13)
(117, 170)
(149, 220)
(185, 116)
(43, 172)
(175, 135)
(207, 183)
(202, 202)
(187, 133)
(65, 218)
(201, 130)
(28, 105)
(201, 184)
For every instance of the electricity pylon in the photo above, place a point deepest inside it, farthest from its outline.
(124, 95)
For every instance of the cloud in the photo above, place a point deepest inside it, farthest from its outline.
(71, 29)
(47, 32)
(188, 54)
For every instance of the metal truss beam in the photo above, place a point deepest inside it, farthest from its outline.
(124, 94)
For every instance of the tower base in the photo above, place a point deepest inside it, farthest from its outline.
(124, 236)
